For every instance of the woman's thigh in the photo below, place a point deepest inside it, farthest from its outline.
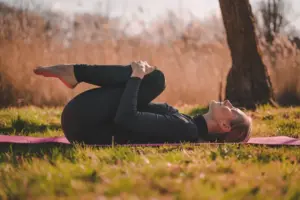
(90, 115)
(99, 104)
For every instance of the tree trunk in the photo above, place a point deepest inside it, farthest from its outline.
(248, 82)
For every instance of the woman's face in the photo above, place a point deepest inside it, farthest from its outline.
(222, 110)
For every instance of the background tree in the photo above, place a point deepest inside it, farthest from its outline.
(248, 82)
(276, 17)
(273, 17)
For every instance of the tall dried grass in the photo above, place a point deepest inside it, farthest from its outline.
(283, 61)
(194, 62)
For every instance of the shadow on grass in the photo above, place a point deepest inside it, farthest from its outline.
(26, 127)
(14, 152)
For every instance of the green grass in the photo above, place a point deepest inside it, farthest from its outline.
(229, 171)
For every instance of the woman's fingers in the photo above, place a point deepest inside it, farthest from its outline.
(142, 67)
(149, 69)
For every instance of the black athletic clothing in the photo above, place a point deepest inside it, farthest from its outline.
(122, 108)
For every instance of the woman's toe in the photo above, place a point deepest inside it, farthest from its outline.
(37, 70)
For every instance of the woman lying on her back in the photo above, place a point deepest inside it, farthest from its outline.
(122, 108)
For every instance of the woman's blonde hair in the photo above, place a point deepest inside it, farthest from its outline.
(240, 131)
(240, 128)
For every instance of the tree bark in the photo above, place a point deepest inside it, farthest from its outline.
(248, 82)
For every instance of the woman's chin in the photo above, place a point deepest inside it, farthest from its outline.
(210, 107)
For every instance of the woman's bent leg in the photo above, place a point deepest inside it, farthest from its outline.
(117, 75)
(89, 117)
(102, 75)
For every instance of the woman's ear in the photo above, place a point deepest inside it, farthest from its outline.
(225, 126)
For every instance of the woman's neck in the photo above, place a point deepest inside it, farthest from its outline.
(212, 125)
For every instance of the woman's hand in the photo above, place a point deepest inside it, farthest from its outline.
(140, 69)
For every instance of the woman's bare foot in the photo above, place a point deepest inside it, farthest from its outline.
(63, 72)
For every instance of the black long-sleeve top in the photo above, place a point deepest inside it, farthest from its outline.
(159, 123)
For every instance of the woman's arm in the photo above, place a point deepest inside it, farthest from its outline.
(128, 105)
(159, 108)
(160, 126)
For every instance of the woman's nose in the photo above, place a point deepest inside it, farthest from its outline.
(227, 103)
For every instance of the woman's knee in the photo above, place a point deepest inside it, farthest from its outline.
(159, 80)
(152, 86)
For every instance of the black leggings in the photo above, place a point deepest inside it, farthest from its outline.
(89, 117)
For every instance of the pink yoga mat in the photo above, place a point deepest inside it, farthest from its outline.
(271, 141)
